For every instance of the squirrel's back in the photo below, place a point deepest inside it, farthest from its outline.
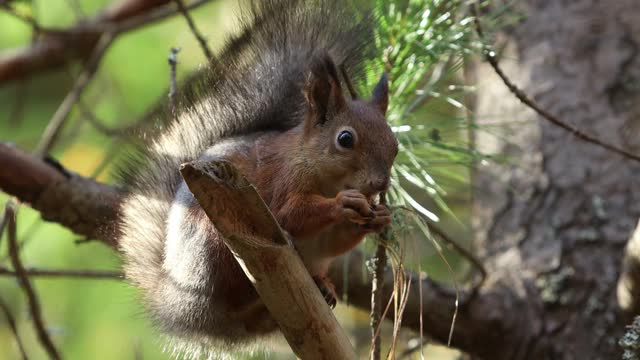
(255, 84)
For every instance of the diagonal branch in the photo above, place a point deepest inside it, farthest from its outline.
(25, 283)
(14, 329)
(56, 123)
(269, 260)
(194, 29)
(490, 57)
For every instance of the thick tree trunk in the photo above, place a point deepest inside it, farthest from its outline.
(552, 225)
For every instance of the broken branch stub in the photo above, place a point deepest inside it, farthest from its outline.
(268, 259)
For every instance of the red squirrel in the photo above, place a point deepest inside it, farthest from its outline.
(273, 105)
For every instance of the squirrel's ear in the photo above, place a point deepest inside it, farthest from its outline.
(322, 90)
(380, 97)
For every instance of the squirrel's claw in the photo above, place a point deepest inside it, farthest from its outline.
(355, 207)
(327, 290)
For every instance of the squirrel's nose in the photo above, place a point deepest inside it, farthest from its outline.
(379, 185)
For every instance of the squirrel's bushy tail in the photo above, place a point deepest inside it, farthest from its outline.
(254, 84)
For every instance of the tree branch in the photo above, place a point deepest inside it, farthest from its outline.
(490, 57)
(83, 205)
(66, 273)
(194, 29)
(56, 48)
(14, 329)
(269, 260)
(56, 123)
(486, 321)
(25, 283)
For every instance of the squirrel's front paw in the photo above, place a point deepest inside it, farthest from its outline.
(354, 206)
(382, 218)
(327, 290)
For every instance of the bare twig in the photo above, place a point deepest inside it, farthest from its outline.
(12, 325)
(173, 89)
(25, 18)
(57, 121)
(58, 47)
(79, 274)
(159, 14)
(376, 288)
(122, 131)
(192, 25)
(23, 277)
(20, 99)
(76, 8)
(490, 57)
(466, 254)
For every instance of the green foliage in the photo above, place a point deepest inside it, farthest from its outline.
(424, 43)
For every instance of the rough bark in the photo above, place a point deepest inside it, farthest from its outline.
(87, 207)
(552, 225)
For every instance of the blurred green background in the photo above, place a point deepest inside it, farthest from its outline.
(102, 319)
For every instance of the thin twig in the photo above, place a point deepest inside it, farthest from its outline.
(425, 222)
(466, 254)
(462, 251)
(154, 16)
(22, 17)
(96, 123)
(58, 120)
(77, 9)
(23, 277)
(490, 57)
(80, 274)
(192, 25)
(61, 46)
(173, 89)
(377, 284)
(20, 98)
(12, 325)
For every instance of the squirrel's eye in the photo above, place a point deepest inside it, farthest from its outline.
(345, 139)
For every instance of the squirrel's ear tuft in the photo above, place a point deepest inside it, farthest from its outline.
(380, 97)
(322, 90)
